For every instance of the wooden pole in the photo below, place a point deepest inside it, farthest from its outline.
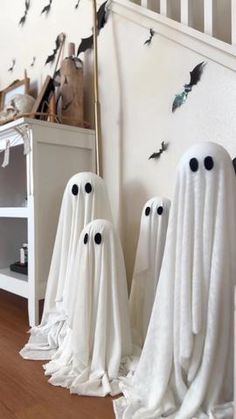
(96, 92)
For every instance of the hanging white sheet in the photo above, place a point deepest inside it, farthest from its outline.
(149, 254)
(98, 343)
(85, 199)
(186, 367)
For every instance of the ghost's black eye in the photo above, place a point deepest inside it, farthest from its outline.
(208, 162)
(75, 189)
(97, 238)
(88, 187)
(86, 238)
(147, 211)
(159, 210)
(193, 163)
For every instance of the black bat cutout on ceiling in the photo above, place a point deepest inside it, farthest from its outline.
(77, 4)
(12, 66)
(195, 77)
(149, 40)
(47, 8)
(87, 43)
(157, 154)
(23, 19)
(51, 58)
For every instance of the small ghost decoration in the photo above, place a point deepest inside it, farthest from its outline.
(85, 198)
(18, 105)
(150, 249)
(186, 367)
(99, 339)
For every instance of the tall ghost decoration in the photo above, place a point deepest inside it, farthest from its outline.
(186, 367)
(150, 249)
(98, 343)
(85, 199)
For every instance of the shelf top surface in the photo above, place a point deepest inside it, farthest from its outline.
(33, 122)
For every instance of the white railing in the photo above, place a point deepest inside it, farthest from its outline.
(216, 18)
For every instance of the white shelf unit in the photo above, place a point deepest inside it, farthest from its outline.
(31, 189)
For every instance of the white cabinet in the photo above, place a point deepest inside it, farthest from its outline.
(31, 189)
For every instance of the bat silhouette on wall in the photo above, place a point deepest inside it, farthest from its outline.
(51, 57)
(157, 154)
(149, 40)
(23, 18)
(47, 8)
(77, 4)
(195, 77)
(33, 62)
(234, 164)
(87, 43)
(11, 68)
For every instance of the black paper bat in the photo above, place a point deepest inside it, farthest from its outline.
(13, 65)
(23, 19)
(47, 8)
(33, 62)
(195, 77)
(157, 154)
(87, 43)
(234, 164)
(149, 40)
(77, 4)
(52, 57)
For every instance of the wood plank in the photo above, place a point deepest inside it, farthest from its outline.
(208, 17)
(233, 22)
(24, 390)
(184, 12)
(163, 7)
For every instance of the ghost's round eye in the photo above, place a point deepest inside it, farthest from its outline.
(97, 238)
(208, 162)
(159, 210)
(147, 211)
(193, 163)
(75, 189)
(88, 187)
(86, 238)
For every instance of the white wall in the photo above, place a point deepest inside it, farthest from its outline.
(137, 86)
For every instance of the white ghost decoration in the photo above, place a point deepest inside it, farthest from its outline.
(98, 344)
(150, 249)
(186, 367)
(85, 199)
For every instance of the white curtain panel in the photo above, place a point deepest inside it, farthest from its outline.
(85, 199)
(149, 255)
(186, 367)
(97, 346)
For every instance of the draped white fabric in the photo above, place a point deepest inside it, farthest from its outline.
(186, 367)
(98, 343)
(150, 249)
(85, 198)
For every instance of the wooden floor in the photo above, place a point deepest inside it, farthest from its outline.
(24, 390)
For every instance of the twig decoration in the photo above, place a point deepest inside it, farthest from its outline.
(157, 154)
(12, 65)
(77, 4)
(47, 8)
(23, 19)
(149, 40)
